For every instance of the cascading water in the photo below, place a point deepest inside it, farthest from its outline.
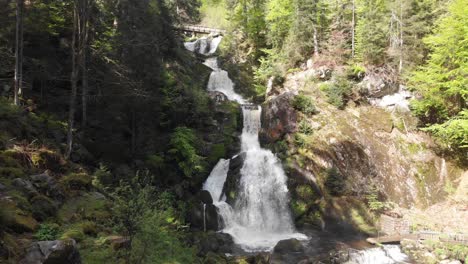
(388, 254)
(260, 216)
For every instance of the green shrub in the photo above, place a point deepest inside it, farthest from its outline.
(47, 232)
(338, 92)
(102, 177)
(42, 207)
(184, 151)
(305, 128)
(335, 182)
(77, 181)
(305, 192)
(304, 104)
(300, 140)
(356, 72)
(74, 233)
(453, 133)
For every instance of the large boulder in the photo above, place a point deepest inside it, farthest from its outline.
(288, 246)
(376, 86)
(52, 252)
(278, 118)
(204, 217)
(47, 185)
(215, 242)
(25, 187)
(231, 186)
(205, 197)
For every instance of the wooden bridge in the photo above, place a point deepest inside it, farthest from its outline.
(423, 235)
(201, 29)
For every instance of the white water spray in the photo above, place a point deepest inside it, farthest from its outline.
(388, 254)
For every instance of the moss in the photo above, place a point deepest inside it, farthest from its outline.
(42, 207)
(11, 172)
(85, 207)
(74, 233)
(89, 228)
(305, 192)
(77, 181)
(299, 208)
(218, 151)
(96, 254)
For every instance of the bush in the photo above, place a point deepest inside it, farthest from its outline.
(356, 72)
(305, 128)
(102, 177)
(304, 104)
(77, 181)
(47, 232)
(300, 140)
(335, 182)
(184, 151)
(453, 133)
(338, 92)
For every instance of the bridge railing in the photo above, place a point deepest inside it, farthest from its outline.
(201, 29)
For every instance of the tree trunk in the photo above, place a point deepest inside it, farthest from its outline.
(316, 44)
(73, 81)
(83, 60)
(353, 30)
(18, 51)
(400, 68)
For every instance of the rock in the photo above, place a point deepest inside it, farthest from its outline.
(310, 64)
(231, 186)
(25, 187)
(375, 86)
(324, 73)
(42, 207)
(118, 242)
(204, 216)
(47, 185)
(205, 197)
(218, 97)
(450, 261)
(52, 252)
(2, 187)
(288, 246)
(215, 242)
(278, 118)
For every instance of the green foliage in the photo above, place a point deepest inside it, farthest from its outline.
(305, 127)
(89, 228)
(304, 104)
(442, 81)
(184, 145)
(47, 232)
(338, 92)
(371, 31)
(300, 140)
(279, 19)
(335, 182)
(77, 181)
(102, 177)
(355, 72)
(305, 192)
(454, 132)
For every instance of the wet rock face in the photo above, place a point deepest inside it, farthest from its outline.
(278, 118)
(231, 186)
(52, 252)
(205, 197)
(216, 243)
(288, 246)
(204, 216)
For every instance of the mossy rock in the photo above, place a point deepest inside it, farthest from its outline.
(88, 206)
(43, 207)
(23, 223)
(74, 233)
(77, 181)
(11, 172)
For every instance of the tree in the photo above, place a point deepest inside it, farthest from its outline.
(279, 20)
(19, 51)
(442, 82)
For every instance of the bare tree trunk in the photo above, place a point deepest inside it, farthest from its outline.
(353, 30)
(316, 45)
(18, 51)
(73, 80)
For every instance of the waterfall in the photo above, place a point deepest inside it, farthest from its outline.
(388, 254)
(260, 216)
